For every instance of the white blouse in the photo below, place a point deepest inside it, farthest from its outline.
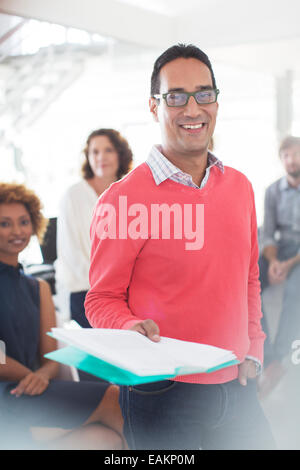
(73, 237)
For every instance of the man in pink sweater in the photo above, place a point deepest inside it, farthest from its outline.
(174, 253)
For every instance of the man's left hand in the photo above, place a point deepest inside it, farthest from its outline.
(246, 370)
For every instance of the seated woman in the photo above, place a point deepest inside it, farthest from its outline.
(30, 395)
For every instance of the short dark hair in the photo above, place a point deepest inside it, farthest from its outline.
(288, 142)
(121, 146)
(187, 51)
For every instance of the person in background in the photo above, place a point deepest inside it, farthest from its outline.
(280, 259)
(31, 397)
(108, 158)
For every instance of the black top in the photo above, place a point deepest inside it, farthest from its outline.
(63, 404)
(20, 315)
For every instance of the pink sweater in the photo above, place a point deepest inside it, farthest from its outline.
(209, 295)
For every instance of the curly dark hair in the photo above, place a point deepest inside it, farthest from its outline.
(18, 193)
(122, 148)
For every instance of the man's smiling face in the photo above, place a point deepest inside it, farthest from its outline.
(185, 130)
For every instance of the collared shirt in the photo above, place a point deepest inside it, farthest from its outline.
(282, 214)
(163, 169)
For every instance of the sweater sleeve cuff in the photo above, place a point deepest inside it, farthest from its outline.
(256, 350)
(128, 324)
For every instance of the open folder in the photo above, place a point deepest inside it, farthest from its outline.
(127, 357)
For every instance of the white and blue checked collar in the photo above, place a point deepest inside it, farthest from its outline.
(163, 169)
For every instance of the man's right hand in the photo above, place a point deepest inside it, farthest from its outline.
(148, 328)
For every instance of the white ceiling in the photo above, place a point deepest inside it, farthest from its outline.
(165, 7)
(262, 34)
(275, 57)
(276, 18)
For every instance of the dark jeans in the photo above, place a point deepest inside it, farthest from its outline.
(289, 323)
(78, 314)
(176, 415)
(77, 308)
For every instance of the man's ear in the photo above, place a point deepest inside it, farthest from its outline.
(153, 108)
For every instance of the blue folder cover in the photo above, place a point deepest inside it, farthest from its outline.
(72, 356)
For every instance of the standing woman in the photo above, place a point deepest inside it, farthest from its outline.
(108, 158)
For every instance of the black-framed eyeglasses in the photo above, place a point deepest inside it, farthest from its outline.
(180, 98)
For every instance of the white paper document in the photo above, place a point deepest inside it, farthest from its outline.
(134, 352)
